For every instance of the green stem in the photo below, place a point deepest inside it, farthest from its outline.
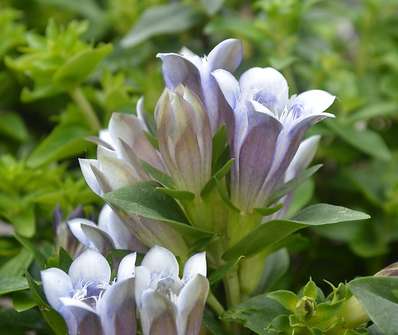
(86, 108)
(213, 302)
(232, 287)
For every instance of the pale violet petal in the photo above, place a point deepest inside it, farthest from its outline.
(157, 318)
(142, 282)
(313, 101)
(196, 264)
(56, 284)
(105, 135)
(126, 268)
(228, 85)
(303, 157)
(226, 55)
(85, 319)
(75, 227)
(99, 240)
(161, 260)
(90, 266)
(122, 237)
(267, 86)
(91, 180)
(190, 305)
(117, 309)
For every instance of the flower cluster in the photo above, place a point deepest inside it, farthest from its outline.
(221, 150)
(91, 302)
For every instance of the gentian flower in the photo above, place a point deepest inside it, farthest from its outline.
(110, 233)
(121, 148)
(88, 300)
(185, 140)
(194, 72)
(167, 304)
(266, 130)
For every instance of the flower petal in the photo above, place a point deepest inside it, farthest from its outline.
(161, 260)
(75, 227)
(190, 305)
(303, 157)
(196, 264)
(99, 239)
(265, 85)
(228, 85)
(177, 70)
(130, 130)
(56, 284)
(142, 283)
(126, 268)
(117, 309)
(91, 180)
(157, 317)
(313, 101)
(226, 55)
(122, 237)
(90, 266)
(82, 319)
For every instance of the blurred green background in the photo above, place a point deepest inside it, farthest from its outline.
(57, 56)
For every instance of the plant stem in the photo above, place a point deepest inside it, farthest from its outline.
(86, 108)
(232, 288)
(215, 304)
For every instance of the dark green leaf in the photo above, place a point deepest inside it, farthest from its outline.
(176, 194)
(264, 236)
(10, 284)
(158, 175)
(145, 200)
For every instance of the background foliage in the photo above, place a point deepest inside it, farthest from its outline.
(63, 60)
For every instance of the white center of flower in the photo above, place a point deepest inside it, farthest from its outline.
(166, 285)
(90, 292)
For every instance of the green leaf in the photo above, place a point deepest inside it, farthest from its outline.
(287, 299)
(145, 200)
(64, 141)
(10, 284)
(266, 235)
(13, 126)
(211, 323)
(176, 194)
(79, 67)
(310, 290)
(374, 110)
(378, 296)
(217, 177)
(17, 265)
(159, 20)
(158, 175)
(28, 245)
(24, 221)
(268, 210)
(212, 6)
(293, 184)
(364, 140)
(276, 265)
(256, 313)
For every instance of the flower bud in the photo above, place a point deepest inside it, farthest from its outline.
(389, 271)
(185, 140)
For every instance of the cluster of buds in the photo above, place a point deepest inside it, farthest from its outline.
(92, 302)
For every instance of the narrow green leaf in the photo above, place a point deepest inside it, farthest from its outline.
(17, 265)
(293, 184)
(13, 126)
(268, 210)
(266, 235)
(28, 245)
(158, 175)
(219, 274)
(64, 141)
(10, 284)
(217, 177)
(160, 20)
(364, 140)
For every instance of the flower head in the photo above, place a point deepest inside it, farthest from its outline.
(87, 299)
(185, 140)
(168, 304)
(266, 130)
(195, 73)
(110, 233)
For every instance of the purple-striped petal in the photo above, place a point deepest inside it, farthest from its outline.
(117, 309)
(226, 55)
(190, 305)
(99, 239)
